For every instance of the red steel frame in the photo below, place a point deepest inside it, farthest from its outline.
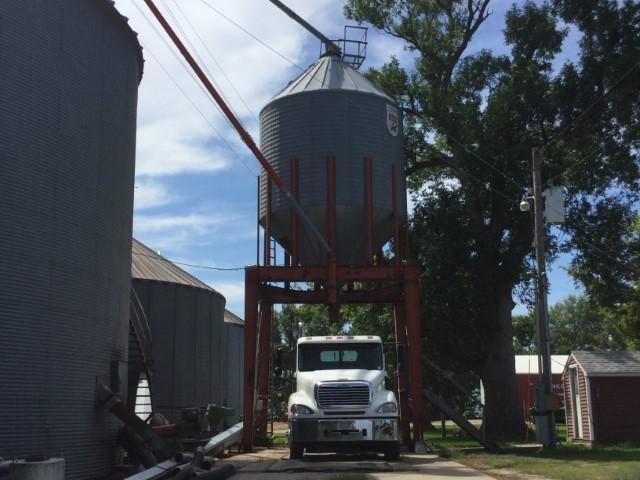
(396, 284)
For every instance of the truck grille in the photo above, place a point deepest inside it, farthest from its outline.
(343, 394)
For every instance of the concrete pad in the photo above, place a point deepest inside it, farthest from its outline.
(329, 463)
(274, 464)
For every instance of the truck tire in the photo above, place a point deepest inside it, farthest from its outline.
(296, 452)
(392, 454)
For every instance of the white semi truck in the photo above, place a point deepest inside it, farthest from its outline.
(340, 402)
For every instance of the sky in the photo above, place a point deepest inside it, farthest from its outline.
(195, 189)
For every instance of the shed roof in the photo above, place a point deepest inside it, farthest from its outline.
(609, 364)
(528, 364)
(149, 265)
(230, 317)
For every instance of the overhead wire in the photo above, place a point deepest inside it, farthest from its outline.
(240, 27)
(196, 54)
(204, 117)
(192, 265)
(212, 56)
(198, 83)
(573, 122)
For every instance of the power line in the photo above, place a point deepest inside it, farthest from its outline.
(204, 117)
(205, 267)
(593, 104)
(190, 73)
(573, 166)
(195, 52)
(208, 50)
(251, 35)
(573, 122)
(493, 167)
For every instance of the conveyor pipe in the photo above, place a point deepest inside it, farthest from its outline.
(244, 135)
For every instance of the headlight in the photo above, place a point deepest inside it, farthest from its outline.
(388, 407)
(297, 409)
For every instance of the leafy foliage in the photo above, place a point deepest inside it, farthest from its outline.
(471, 120)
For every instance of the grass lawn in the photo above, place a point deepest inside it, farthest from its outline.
(566, 462)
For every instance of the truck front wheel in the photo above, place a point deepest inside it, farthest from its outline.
(392, 454)
(295, 451)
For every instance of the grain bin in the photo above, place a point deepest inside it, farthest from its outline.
(331, 109)
(187, 326)
(234, 363)
(68, 93)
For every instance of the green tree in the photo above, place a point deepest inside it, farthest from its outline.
(575, 323)
(470, 122)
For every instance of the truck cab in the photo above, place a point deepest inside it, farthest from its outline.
(340, 402)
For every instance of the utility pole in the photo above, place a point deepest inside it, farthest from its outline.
(545, 427)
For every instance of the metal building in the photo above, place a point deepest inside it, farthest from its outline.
(234, 364)
(68, 94)
(187, 327)
(332, 110)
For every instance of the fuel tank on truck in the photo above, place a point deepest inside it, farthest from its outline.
(333, 110)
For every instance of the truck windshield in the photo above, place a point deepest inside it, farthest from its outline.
(332, 356)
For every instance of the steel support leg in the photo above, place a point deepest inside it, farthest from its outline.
(264, 358)
(250, 342)
(403, 389)
(414, 339)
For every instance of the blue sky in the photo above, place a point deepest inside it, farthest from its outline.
(195, 197)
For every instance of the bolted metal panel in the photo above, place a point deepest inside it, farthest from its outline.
(332, 109)
(68, 95)
(234, 361)
(188, 351)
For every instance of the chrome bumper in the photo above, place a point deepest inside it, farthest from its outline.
(344, 430)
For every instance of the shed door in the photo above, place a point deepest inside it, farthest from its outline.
(575, 403)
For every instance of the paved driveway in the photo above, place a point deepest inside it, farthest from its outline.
(273, 464)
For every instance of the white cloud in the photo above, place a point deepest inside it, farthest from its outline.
(165, 149)
(193, 222)
(233, 292)
(151, 194)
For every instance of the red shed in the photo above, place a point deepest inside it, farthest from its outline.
(527, 377)
(603, 389)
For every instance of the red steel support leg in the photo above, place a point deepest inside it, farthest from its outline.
(250, 341)
(403, 389)
(396, 221)
(368, 213)
(267, 226)
(264, 360)
(414, 340)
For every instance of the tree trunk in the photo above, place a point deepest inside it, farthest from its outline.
(502, 416)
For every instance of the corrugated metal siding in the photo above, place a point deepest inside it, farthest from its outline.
(233, 368)
(68, 95)
(188, 351)
(352, 125)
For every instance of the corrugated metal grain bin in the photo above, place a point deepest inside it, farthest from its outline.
(234, 365)
(187, 327)
(69, 74)
(331, 109)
